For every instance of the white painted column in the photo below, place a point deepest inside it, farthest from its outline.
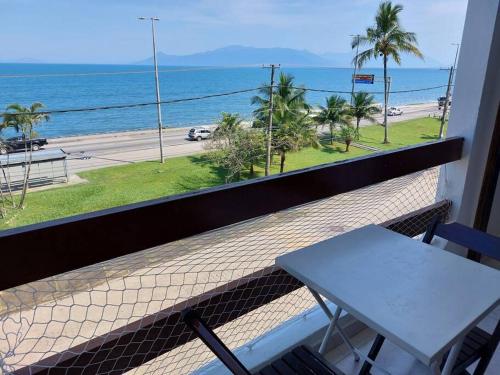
(475, 103)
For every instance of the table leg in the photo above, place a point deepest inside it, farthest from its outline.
(330, 330)
(333, 324)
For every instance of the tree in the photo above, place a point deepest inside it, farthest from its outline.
(363, 107)
(387, 39)
(293, 134)
(227, 126)
(4, 196)
(287, 99)
(289, 105)
(235, 148)
(336, 112)
(347, 134)
(252, 148)
(24, 120)
(229, 122)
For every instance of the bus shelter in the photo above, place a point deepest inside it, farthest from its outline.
(47, 167)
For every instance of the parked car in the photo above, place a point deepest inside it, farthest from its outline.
(20, 144)
(394, 111)
(199, 133)
(442, 100)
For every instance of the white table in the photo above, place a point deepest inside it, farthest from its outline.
(421, 298)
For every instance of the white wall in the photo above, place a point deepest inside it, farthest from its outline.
(475, 104)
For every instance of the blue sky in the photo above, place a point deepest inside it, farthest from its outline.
(107, 31)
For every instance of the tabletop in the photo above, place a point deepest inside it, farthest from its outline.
(420, 297)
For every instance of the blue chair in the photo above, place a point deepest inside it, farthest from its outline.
(478, 344)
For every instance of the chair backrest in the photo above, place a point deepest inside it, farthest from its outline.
(473, 239)
(214, 343)
(480, 242)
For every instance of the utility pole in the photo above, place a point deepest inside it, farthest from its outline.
(447, 100)
(455, 61)
(456, 56)
(157, 84)
(355, 65)
(269, 134)
(448, 90)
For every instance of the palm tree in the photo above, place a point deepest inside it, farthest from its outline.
(229, 121)
(289, 106)
(387, 39)
(228, 124)
(287, 98)
(347, 134)
(24, 119)
(363, 107)
(336, 112)
(293, 134)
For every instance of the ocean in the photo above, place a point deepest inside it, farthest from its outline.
(66, 86)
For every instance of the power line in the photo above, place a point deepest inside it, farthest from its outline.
(416, 90)
(134, 105)
(195, 98)
(369, 92)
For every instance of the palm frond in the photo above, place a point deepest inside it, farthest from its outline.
(395, 55)
(364, 56)
(410, 49)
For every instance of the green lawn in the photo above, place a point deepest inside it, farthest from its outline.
(401, 134)
(115, 186)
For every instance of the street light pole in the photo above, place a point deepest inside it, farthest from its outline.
(157, 84)
(355, 65)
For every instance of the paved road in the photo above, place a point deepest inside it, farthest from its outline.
(98, 151)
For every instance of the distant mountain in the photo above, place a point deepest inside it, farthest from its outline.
(242, 56)
(252, 56)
